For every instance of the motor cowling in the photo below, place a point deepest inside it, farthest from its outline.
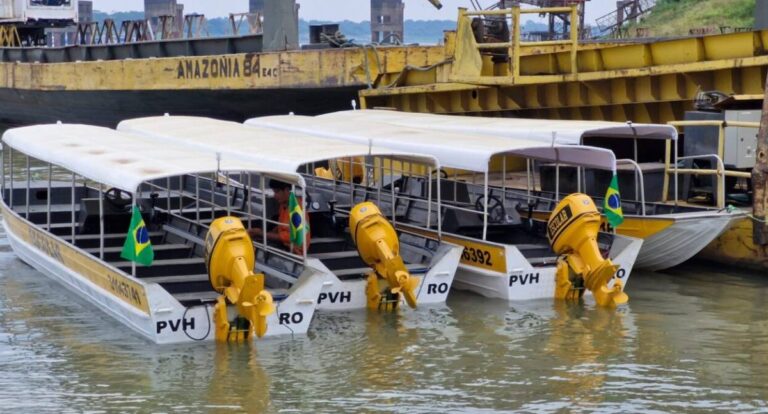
(572, 231)
(378, 246)
(230, 259)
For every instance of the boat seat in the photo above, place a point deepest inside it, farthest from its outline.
(320, 240)
(456, 220)
(162, 251)
(194, 265)
(184, 235)
(177, 279)
(335, 255)
(210, 296)
(85, 241)
(543, 261)
(327, 244)
(414, 268)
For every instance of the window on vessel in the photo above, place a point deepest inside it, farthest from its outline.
(50, 3)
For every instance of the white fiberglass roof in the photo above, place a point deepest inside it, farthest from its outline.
(566, 132)
(266, 149)
(114, 158)
(466, 151)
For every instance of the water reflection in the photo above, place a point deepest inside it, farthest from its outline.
(693, 339)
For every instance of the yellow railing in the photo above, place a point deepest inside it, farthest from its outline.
(515, 43)
(720, 171)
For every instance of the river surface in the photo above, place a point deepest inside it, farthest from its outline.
(693, 339)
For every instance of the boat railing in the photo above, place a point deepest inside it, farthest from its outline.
(721, 172)
(372, 174)
(248, 215)
(639, 177)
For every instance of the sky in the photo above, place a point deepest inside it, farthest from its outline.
(355, 10)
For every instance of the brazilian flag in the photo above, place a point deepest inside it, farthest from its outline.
(612, 203)
(297, 224)
(137, 247)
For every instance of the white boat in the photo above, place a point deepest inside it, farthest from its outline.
(506, 255)
(72, 224)
(673, 232)
(431, 262)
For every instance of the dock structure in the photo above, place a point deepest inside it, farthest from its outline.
(647, 80)
(627, 11)
(639, 80)
(57, 36)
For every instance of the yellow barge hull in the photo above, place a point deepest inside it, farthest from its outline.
(736, 247)
(233, 86)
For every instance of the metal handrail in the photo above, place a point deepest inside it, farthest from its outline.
(638, 175)
(720, 172)
(721, 125)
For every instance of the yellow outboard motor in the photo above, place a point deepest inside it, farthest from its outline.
(230, 258)
(379, 248)
(572, 231)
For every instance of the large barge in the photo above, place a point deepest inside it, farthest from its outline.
(227, 78)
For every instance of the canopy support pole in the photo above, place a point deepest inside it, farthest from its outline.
(429, 196)
(379, 161)
(305, 222)
(247, 196)
(29, 183)
(2, 169)
(528, 182)
(48, 199)
(392, 188)
(101, 221)
(637, 196)
(72, 199)
(578, 179)
(168, 197)
(675, 158)
(197, 198)
(485, 206)
(439, 205)
(263, 213)
(228, 192)
(504, 179)
(10, 167)
(133, 205)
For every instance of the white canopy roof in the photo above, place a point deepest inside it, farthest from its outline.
(116, 159)
(263, 148)
(466, 151)
(566, 132)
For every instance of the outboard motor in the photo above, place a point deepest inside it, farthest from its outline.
(379, 248)
(230, 258)
(572, 231)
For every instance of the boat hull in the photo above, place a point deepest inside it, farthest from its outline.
(434, 284)
(523, 281)
(684, 237)
(145, 308)
(671, 239)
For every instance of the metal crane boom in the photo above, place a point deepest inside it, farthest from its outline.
(436, 3)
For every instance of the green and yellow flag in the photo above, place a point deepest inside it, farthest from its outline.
(297, 224)
(612, 203)
(137, 247)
